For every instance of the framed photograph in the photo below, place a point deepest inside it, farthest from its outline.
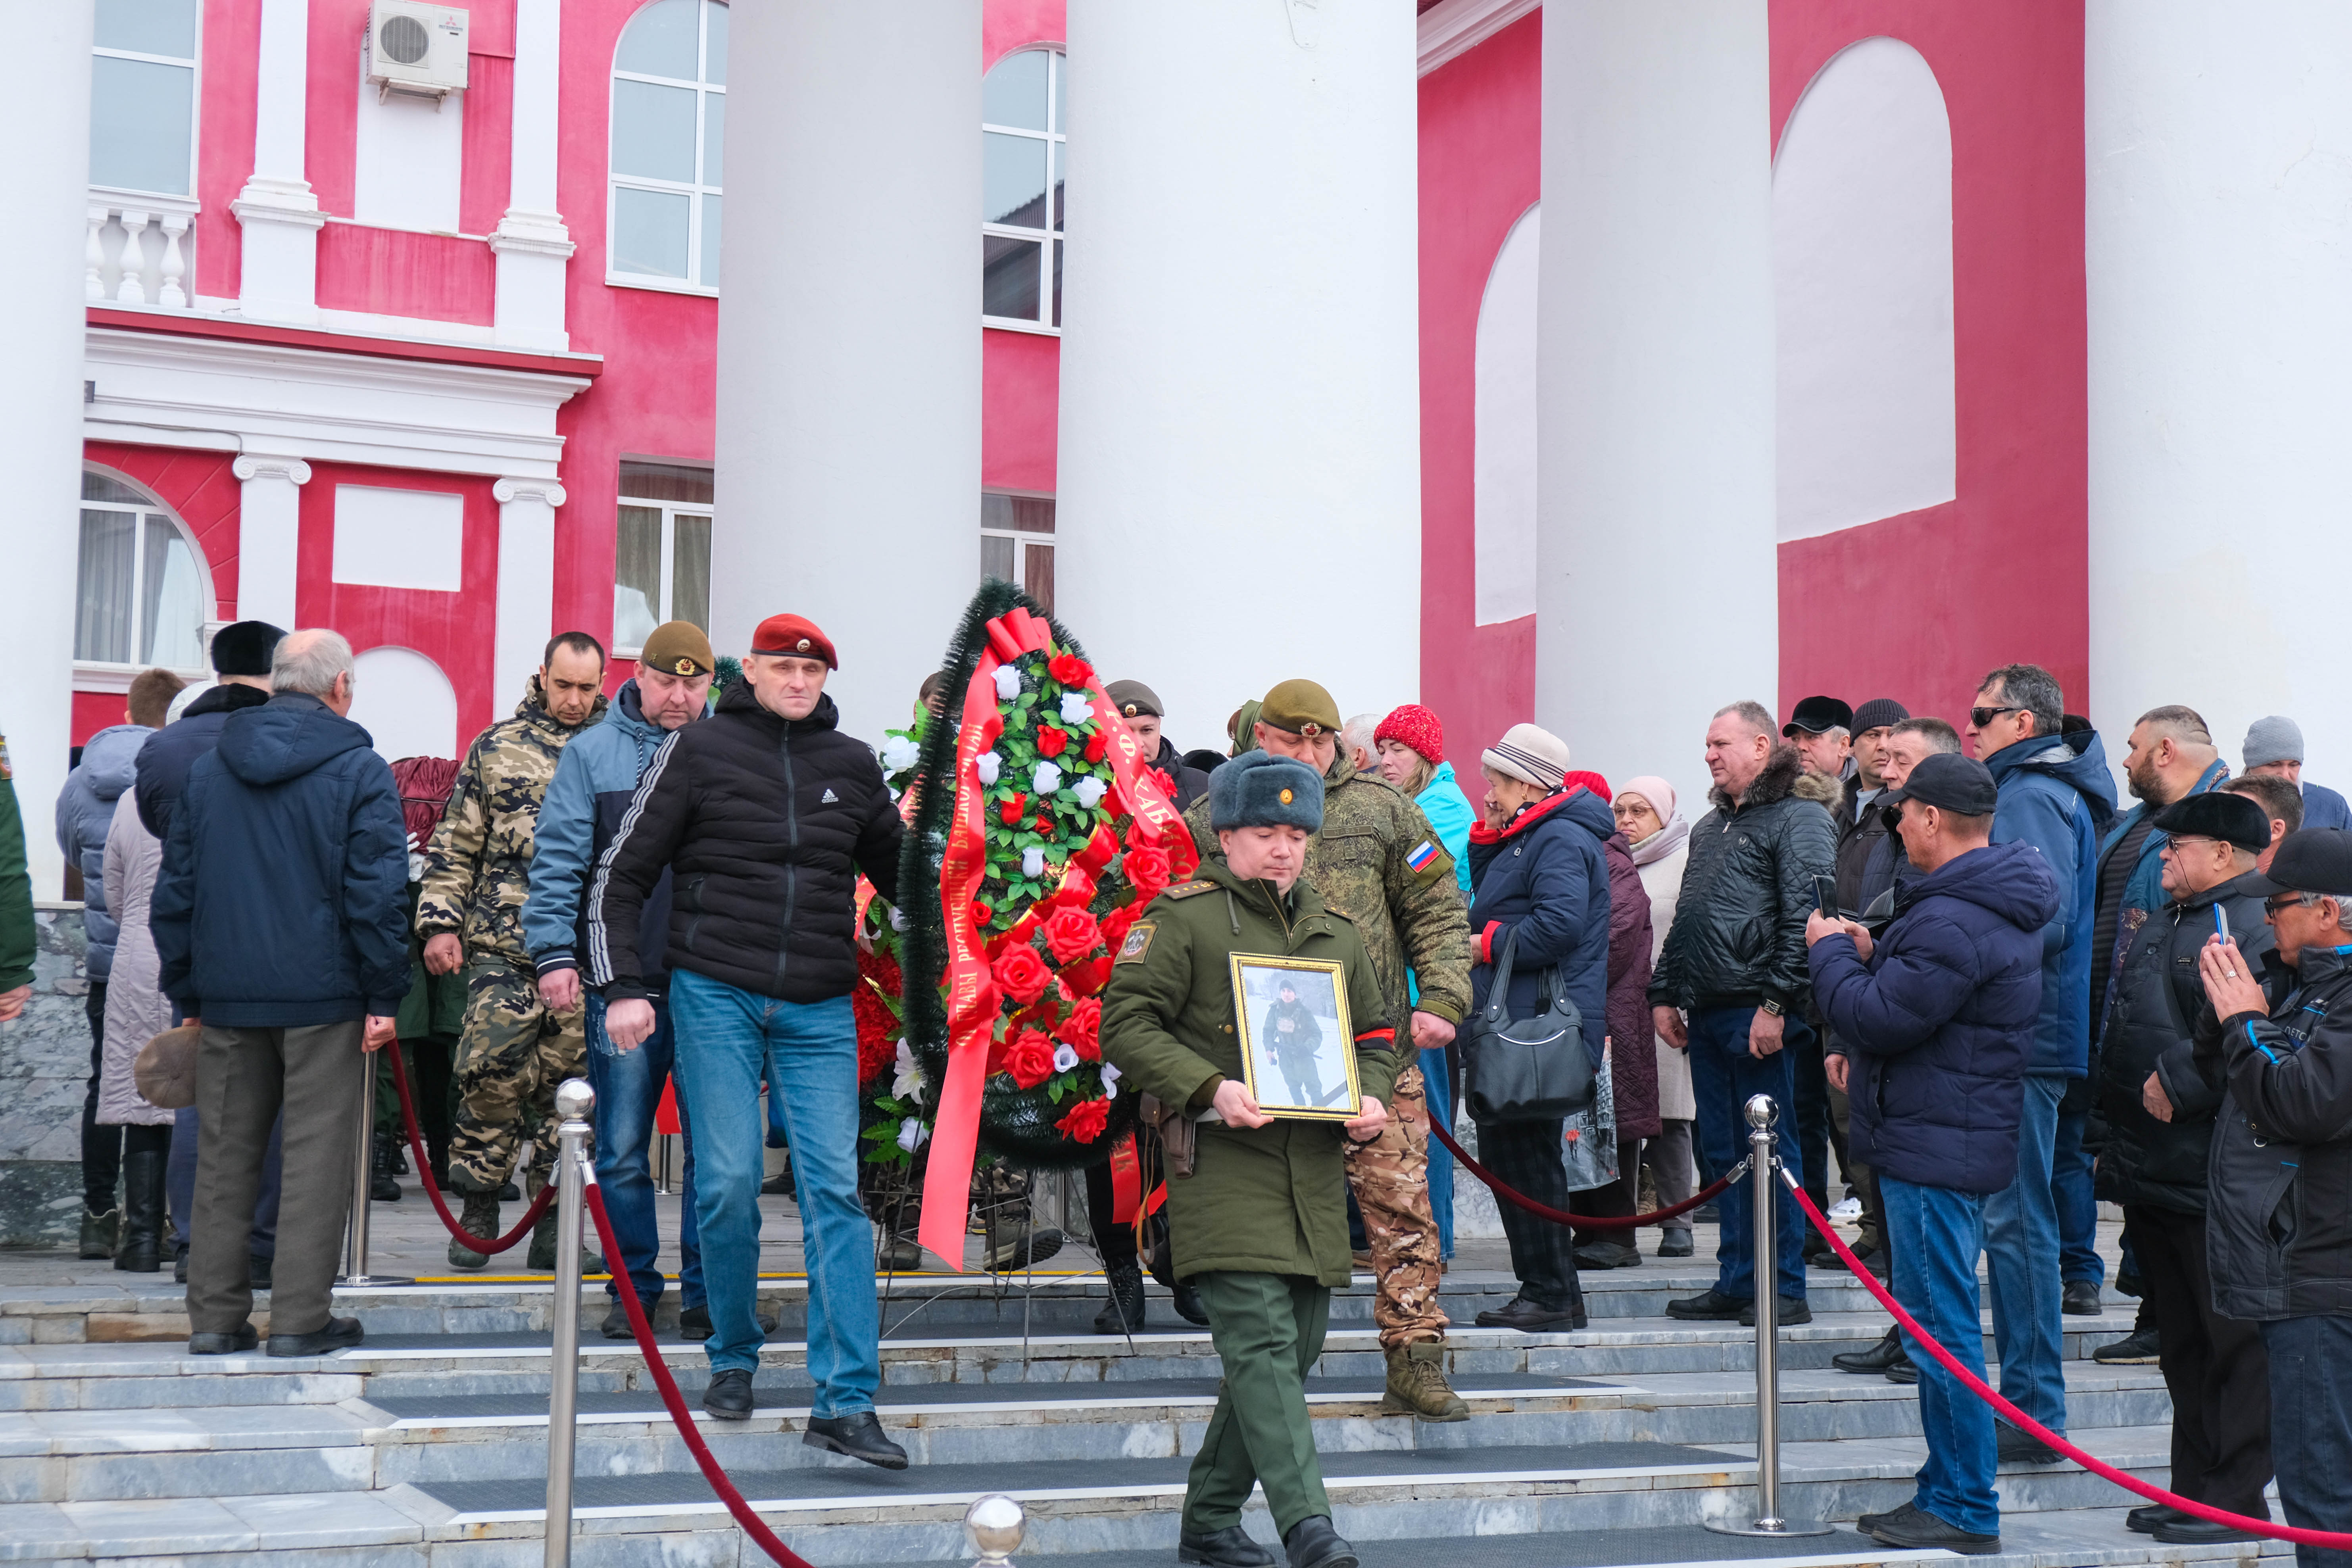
(1296, 1057)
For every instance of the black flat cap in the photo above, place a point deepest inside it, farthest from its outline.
(1948, 781)
(2218, 814)
(244, 647)
(1815, 714)
(2315, 860)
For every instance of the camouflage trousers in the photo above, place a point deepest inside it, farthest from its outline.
(1389, 1177)
(511, 1056)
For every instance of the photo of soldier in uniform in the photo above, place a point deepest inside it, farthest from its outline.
(1295, 1033)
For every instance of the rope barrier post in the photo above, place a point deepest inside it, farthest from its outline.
(355, 1276)
(1763, 1117)
(993, 1525)
(573, 1102)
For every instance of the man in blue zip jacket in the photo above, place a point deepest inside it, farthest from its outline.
(2055, 795)
(595, 777)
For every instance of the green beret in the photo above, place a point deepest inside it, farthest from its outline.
(1302, 707)
(679, 649)
(1258, 789)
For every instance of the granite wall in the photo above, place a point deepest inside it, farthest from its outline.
(44, 1070)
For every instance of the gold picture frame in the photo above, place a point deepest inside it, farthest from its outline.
(1311, 1079)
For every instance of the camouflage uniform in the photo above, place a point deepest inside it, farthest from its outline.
(1410, 920)
(514, 1050)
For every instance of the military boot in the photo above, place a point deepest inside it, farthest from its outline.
(1123, 1313)
(480, 1218)
(1417, 1384)
(99, 1232)
(542, 1239)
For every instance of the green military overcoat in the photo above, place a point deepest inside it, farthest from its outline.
(1262, 1200)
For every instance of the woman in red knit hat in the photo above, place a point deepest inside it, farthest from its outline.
(1411, 746)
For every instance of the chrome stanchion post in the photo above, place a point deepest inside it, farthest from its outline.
(994, 1526)
(355, 1275)
(573, 1102)
(1763, 1186)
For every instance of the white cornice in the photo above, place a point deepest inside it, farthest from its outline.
(1454, 27)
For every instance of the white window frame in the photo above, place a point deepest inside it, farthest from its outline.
(1022, 537)
(1057, 140)
(167, 199)
(106, 674)
(615, 181)
(671, 511)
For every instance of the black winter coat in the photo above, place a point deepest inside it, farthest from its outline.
(1190, 784)
(1544, 877)
(1738, 935)
(2153, 1026)
(1939, 1025)
(172, 750)
(766, 824)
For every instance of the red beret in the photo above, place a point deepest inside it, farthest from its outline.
(794, 637)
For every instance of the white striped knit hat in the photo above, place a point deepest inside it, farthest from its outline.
(1530, 755)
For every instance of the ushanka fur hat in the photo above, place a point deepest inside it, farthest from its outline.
(1258, 789)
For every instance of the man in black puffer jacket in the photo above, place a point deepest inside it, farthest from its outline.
(764, 814)
(1735, 962)
(2160, 1108)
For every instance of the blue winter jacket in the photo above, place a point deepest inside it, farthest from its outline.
(2057, 796)
(169, 752)
(1939, 1026)
(2143, 890)
(595, 779)
(109, 765)
(283, 899)
(1544, 876)
(1450, 812)
(2323, 807)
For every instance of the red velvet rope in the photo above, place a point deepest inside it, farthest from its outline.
(691, 1434)
(1561, 1217)
(531, 1216)
(2334, 1540)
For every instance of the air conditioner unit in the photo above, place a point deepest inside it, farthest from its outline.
(416, 48)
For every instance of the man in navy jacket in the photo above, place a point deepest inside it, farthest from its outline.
(1938, 1017)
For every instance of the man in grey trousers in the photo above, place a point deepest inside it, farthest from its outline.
(280, 919)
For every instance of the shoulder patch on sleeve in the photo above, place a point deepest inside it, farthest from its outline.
(1186, 890)
(1137, 943)
(1428, 860)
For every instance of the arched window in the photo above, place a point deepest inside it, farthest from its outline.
(145, 592)
(1021, 189)
(669, 132)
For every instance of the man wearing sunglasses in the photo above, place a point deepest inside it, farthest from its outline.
(2054, 794)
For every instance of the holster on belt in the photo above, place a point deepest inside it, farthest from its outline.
(1176, 1128)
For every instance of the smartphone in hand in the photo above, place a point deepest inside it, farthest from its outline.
(1825, 896)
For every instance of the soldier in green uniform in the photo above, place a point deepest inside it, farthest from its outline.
(1259, 1226)
(1379, 862)
(514, 1050)
(19, 938)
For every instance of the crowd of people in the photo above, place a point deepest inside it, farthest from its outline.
(1944, 952)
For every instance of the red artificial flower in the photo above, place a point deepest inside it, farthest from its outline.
(1084, 1122)
(1071, 933)
(1086, 977)
(981, 913)
(1082, 1030)
(1098, 745)
(1147, 871)
(1009, 813)
(1051, 741)
(1069, 669)
(1023, 975)
(1044, 823)
(1030, 1059)
(1167, 785)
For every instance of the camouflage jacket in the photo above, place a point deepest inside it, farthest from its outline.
(477, 869)
(1379, 862)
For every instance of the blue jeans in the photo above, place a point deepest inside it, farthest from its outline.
(628, 1087)
(2078, 1210)
(1937, 1234)
(1723, 1078)
(2021, 1244)
(730, 1038)
(2311, 1427)
(1441, 1161)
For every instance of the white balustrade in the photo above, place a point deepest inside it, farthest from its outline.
(139, 250)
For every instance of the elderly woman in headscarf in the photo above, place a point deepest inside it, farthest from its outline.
(1633, 1051)
(1658, 839)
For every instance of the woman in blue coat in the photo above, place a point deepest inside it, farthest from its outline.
(1537, 865)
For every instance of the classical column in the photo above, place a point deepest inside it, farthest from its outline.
(533, 248)
(526, 583)
(45, 125)
(848, 428)
(1240, 486)
(269, 535)
(280, 218)
(2220, 283)
(1654, 382)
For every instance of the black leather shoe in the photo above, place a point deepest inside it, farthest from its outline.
(1920, 1530)
(1674, 1243)
(2133, 1350)
(243, 1339)
(1228, 1548)
(1871, 1522)
(616, 1325)
(339, 1333)
(1531, 1318)
(2081, 1298)
(1188, 1304)
(1905, 1371)
(729, 1397)
(1793, 1310)
(2188, 1529)
(1876, 1359)
(1123, 1312)
(1313, 1543)
(2145, 1520)
(694, 1323)
(1713, 1307)
(859, 1435)
(1608, 1255)
(2016, 1446)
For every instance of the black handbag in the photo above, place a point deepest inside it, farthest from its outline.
(1526, 1070)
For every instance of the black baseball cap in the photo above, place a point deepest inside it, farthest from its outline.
(1948, 781)
(2218, 814)
(2313, 861)
(1816, 715)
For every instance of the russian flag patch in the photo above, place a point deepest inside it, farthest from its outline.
(1421, 855)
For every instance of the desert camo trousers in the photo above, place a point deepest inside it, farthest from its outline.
(1389, 1177)
(513, 1053)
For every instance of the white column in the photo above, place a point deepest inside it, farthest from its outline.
(1654, 382)
(533, 248)
(526, 583)
(280, 218)
(1240, 405)
(2220, 275)
(45, 125)
(268, 536)
(848, 428)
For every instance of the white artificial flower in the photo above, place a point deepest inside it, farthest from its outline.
(1110, 1074)
(1077, 708)
(897, 921)
(1110, 1085)
(911, 1134)
(1033, 862)
(1065, 1057)
(1046, 779)
(1008, 683)
(988, 764)
(1089, 790)
(909, 1083)
(898, 755)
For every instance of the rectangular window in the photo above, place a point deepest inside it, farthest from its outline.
(1016, 542)
(661, 555)
(142, 80)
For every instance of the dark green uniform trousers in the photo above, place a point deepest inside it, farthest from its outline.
(1268, 1331)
